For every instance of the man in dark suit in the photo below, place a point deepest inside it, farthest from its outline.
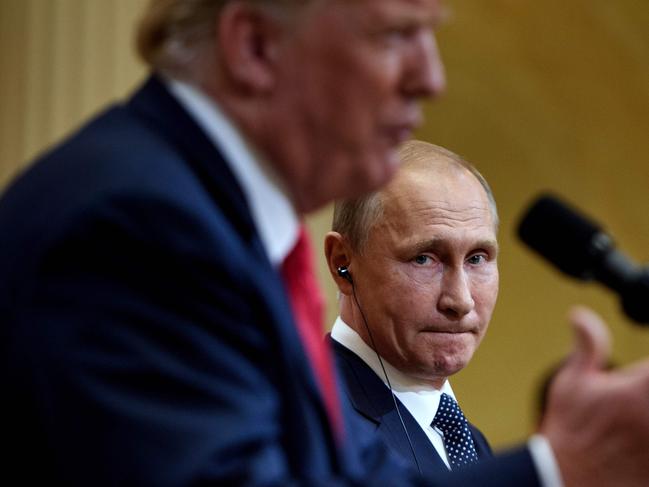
(154, 329)
(419, 258)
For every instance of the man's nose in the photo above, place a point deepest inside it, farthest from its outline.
(455, 300)
(427, 75)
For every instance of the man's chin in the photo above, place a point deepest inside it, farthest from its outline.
(448, 364)
(445, 370)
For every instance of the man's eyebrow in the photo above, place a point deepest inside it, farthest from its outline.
(427, 244)
(436, 243)
(488, 244)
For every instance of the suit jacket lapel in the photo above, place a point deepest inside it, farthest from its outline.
(481, 444)
(154, 104)
(372, 399)
(159, 109)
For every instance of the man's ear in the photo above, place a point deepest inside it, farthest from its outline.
(248, 40)
(338, 254)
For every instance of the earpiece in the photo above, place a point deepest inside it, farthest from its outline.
(344, 273)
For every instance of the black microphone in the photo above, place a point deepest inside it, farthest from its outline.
(581, 248)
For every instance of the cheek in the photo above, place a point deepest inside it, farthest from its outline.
(393, 307)
(413, 297)
(485, 291)
(394, 294)
(365, 99)
(340, 124)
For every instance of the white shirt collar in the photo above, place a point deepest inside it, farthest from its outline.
(272, 211)
(421, 399)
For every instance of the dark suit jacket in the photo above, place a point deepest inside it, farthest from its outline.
(373, 403)
(146, 339)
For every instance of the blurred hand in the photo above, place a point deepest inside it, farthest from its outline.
(597, 421)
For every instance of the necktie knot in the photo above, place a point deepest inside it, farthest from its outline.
(458, 441)
(299, 275)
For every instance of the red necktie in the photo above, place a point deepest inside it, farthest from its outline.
(308, 305)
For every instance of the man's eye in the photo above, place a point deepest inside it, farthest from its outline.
(422, 259)
(399, 34)
(477, 259)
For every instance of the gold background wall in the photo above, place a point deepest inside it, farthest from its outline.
(542, 95)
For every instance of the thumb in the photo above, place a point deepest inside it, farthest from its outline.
(592, 343)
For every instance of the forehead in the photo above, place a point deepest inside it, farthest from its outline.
(430, 8)
(447, 201)
(424, 11)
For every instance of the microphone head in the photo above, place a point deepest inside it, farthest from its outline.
(564, 236)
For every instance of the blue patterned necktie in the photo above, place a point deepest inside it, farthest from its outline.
(458, 441)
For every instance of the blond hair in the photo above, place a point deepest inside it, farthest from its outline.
(172, 33)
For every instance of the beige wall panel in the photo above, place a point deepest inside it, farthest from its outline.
(35, 70)
(62, 60)
(97, 51)
(13, 44)
(69, 69)
(128, 69)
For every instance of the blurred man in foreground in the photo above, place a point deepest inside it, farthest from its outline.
(416, 266)
(158, 313)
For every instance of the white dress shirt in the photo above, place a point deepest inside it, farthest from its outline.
(272, 211)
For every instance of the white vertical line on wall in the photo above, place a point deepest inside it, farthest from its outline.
(37, 62)
(67, 67)
(12, 71)
(98, 64)
(128, 68)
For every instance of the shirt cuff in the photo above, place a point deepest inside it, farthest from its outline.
(545, 461)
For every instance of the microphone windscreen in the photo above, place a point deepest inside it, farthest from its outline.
(564, 236)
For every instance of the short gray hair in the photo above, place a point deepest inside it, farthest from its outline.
(354, 218)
